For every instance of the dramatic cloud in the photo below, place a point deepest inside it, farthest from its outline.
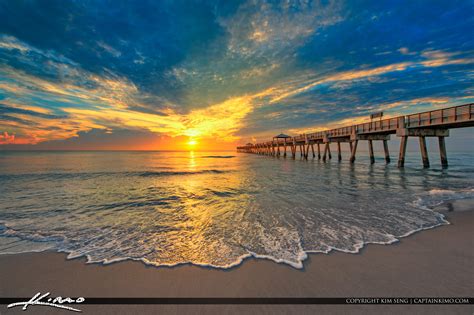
(222, 72)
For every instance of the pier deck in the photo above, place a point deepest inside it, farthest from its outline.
(435, 123)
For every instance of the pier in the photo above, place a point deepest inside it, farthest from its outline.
(435, 123)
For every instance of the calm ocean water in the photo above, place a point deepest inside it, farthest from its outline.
(216, 208)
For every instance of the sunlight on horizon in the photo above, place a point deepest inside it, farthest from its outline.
(192, 143)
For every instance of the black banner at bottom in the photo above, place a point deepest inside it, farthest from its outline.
(262, 300)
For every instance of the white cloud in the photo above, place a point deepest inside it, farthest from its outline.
(263, 27)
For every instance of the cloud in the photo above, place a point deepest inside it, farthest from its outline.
(11, 43)
(6, 138)
(88, 101)
(261, 27)
(224, 69)
(114, 52)
(25, 111)
(434, 59)
(109, 102)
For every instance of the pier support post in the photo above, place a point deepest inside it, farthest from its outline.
(421, 133)
(319, 152)
(329, 151)
(339, 155)
(424, 152)
(284, 149)
(306, 152)
(371, 152)
(353, 150)
(403, 150)
(385, 149)
(442, 152)
(312, 150)
(326, 149)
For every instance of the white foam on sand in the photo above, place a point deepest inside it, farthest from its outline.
(13, 243)
(437, 197)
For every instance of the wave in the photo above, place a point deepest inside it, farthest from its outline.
(437, 197)
(37, 245)
(101, 174)
(174, 173)
(218, 156)
(297, 253)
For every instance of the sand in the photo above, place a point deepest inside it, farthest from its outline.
(436, 262)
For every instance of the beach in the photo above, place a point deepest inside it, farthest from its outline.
(431, 263)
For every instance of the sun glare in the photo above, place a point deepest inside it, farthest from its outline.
(192, 143)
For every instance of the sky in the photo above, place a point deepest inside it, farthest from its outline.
(170, 75)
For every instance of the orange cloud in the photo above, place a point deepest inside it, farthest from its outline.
(6, 138)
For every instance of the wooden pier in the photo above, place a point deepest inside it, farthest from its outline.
(435, 123)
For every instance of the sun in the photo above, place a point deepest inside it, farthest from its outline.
(192, 143)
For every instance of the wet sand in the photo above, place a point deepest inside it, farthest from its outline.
(437, 262)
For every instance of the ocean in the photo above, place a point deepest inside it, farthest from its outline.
(216, 208)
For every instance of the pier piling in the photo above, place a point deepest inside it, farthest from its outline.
(442, 152)
(354, 150)
(424, 152)
(385, 149)
(339, 155)
(371, 152)
(403, 150)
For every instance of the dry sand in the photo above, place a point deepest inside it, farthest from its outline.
(436, 262)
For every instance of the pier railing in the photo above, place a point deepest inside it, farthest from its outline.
(442, 116)
(435, 118)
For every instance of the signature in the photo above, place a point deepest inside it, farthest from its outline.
(44, 300)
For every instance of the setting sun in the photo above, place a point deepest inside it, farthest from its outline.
(192, 143)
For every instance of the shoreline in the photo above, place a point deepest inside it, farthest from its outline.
(430, 263)
(443, 209)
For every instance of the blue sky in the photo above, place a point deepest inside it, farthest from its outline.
(154, 74)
